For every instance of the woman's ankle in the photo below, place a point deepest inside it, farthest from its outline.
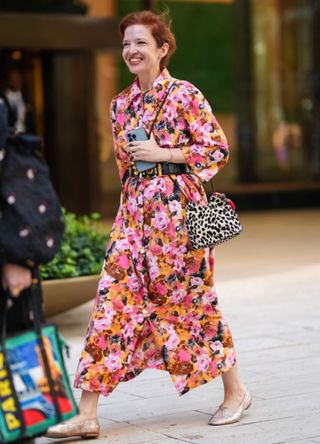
(88, 405)
(235, 391)
(88, 413)
(83, 415)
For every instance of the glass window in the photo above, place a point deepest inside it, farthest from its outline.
(282, 70)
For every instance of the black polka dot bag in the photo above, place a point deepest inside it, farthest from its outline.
(31, 220)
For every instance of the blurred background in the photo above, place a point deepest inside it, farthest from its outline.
(257, 62)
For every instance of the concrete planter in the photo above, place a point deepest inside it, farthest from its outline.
(63, 294)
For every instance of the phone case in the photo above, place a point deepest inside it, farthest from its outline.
(138, 134)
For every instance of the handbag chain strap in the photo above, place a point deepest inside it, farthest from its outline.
(161, 106)
(212, 186)
(175, 182)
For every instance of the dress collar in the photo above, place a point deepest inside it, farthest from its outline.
(157, 90)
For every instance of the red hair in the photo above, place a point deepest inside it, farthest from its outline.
(160, 29)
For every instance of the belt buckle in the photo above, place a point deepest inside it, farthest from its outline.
(151, 172)
(147, 173)
(159, 169)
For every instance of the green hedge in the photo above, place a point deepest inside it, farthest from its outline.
(82, 249)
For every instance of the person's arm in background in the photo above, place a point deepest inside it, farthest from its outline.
(3, 123)
(13, 277)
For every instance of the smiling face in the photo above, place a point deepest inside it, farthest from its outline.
(141, 52)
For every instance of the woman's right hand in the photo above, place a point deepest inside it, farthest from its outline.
(15, 278)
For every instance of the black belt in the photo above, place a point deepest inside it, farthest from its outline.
(161, 169)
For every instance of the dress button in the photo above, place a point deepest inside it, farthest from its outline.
(144, 311)
(142, 251)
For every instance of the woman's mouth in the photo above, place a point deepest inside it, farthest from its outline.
(135, 60)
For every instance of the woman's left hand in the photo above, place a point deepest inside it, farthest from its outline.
(15, 278)
(147, 150)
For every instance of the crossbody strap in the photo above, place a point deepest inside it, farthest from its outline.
(175, 182)
(124, 178)
(155, 119)
(161, 106)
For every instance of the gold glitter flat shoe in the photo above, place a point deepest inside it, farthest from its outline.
(88, 428)
(227, 416)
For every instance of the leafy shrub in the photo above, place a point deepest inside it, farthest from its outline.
(82, 249)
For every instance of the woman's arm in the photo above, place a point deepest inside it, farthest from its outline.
(206, 151)
(174, 155)
(150, 151)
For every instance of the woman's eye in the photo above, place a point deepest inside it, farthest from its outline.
(141, 43)
(125, 44)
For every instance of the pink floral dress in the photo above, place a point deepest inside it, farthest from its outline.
(156, 305)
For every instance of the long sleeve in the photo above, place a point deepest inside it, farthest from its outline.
(119, 139)
(208, 153)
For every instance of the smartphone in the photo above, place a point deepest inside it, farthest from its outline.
(139, 134)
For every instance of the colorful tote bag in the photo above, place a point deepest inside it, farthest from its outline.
(34, 387)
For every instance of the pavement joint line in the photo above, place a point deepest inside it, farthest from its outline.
(262, 421)
(203, 412)
(111, 420)
(133, 394)
(178, 439)
(148, 429)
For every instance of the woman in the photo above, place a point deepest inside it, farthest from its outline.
(156, 305)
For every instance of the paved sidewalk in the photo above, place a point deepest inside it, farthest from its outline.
(268, 285)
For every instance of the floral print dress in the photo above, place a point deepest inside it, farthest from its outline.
(156, 305)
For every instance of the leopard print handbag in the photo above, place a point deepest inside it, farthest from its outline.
(212, 224)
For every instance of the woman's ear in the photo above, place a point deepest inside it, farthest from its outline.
(164, 50)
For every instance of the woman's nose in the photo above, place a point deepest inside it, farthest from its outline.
(132, 49)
